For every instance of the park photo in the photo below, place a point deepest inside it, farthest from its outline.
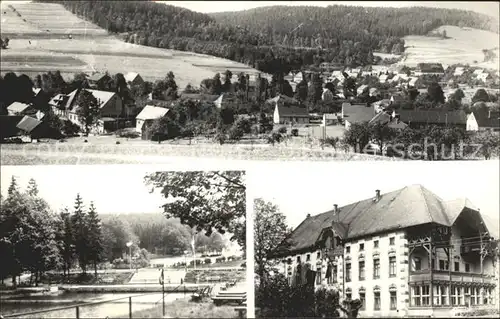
(418, 244)
(122, 242)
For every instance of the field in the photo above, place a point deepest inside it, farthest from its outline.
(40, 43)
(464, 45)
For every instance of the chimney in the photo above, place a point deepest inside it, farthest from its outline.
(335, 209)
(308, 215)
(377, 195)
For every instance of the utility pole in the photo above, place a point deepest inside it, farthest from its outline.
(162, 283)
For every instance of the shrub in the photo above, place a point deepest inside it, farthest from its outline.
(208, 261)
(69, 128)
(274, 137)
(126, 133)
(295, 132)
(117, 142)
(282, 130)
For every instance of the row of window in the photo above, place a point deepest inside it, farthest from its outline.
(376, 269)
(361, 247)
(443, 265)
(420, 296)
(376, 300)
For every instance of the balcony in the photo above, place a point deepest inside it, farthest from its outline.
(444, 275)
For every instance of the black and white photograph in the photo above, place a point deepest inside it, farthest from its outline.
(89, 82)
(122, 242)
(415, 240)
(350, 150)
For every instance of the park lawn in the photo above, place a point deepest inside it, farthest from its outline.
(184, 308)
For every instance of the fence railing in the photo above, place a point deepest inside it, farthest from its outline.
(93, 310)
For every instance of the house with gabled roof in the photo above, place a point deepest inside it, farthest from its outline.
(402, 253)
(109, 103)
(146, 117)
(288, 110)
(483, 120)
(133, 78)
(438, 117)
(356, 113)
(18, 108)
(98, 79)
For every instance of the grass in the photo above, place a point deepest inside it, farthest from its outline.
(98, 50)
(183, 308)
(463, 46)
(131, 152)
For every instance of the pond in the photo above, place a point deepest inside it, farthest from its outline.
(112, 309)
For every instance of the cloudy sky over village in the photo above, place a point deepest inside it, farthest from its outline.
(114, 189)
(302, 188)
(490, 8)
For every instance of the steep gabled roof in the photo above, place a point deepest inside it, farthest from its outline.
(96, 76)
(410, 206)
(17, 107)
(150, 112)
(130, 76)
(102, 96)
(28, 124)
(292, 111)
(433, 116)
(484, 118)
(357, 113)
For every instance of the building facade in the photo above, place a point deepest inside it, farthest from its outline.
(404, 253)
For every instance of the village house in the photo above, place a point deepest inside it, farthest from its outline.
(429, 69)
(459, 71)
(146, 117)
(362, 89)
(327, 95)
(298, 77)
(287, 110)
(424, 118)
(198, 97)
(356, 113)
(31, 126)
(385, 118)
(483, 120)
(225, 100)
(98, 79)
(110, 109)
(406, 253)
(18, 108)
(133, 78)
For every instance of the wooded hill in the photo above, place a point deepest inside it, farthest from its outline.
(263, 37)
(301, 25)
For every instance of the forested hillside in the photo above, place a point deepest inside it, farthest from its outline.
(276, 39)
(328, 27)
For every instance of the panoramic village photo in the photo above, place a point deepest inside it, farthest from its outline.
(335, 80)
(414, 245)
(122, 242)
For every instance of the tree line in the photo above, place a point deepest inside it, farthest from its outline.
(275, 39)
(36, 239)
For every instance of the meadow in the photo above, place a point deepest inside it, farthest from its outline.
(462, 45)
(40, 43)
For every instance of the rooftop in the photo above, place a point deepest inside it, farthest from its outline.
(406, 207)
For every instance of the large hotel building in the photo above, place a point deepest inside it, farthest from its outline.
(404, 253)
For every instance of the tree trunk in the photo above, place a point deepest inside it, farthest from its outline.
(14, 282)
(95, 269)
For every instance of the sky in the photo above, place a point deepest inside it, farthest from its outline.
(299, 189)
(112, 188)
(490, 8)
